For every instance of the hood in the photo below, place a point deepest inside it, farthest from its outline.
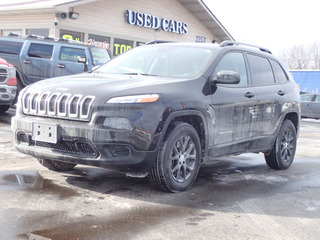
(102, 86)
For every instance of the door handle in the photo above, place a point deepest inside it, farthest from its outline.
(281, 93)
(26, 61)
(249, 95)
(61, 65)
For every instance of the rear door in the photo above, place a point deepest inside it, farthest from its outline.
(270, 95)
(67, 62)
(37, 61)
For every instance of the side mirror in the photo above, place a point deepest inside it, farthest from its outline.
(226, 77)
(84, 61)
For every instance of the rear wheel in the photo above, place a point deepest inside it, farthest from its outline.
(4, 108)
(284, 148)
(178, 161)
(56, 165)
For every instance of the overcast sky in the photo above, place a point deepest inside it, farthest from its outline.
(274, 24)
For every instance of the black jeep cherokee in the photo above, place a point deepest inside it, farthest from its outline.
(161, 110)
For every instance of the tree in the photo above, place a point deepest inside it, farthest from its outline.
(302, 57)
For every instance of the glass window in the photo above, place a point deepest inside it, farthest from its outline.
(10, 47)
(306, 98)
(39, 31)
(120, 46)
(99, 55)
(71, 54)
(261, 71)
(40, 50)
(71, 35)
(233, 61)
(317, 98)
(278, 71)
(160, 60)
(99, 41)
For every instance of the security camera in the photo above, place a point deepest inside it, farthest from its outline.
(55, 21)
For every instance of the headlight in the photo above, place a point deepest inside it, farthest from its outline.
(145, 98)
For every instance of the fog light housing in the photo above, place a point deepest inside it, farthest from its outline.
(117, 123)
(120, 151)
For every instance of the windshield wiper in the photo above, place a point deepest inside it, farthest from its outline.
(142, 74)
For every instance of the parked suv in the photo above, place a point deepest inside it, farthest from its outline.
(160, 110)
(8, 85)
(36, 57)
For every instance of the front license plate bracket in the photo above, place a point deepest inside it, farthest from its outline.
(45, 132)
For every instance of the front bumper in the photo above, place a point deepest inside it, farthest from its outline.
(87, 143)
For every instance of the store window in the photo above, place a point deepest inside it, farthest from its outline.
(99, 41)
(71, 54)
(39, 31)
(120, 46)
(5, 32)
(77, 36)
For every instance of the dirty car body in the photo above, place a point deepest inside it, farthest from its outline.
(161, 110)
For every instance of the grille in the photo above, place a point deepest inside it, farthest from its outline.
(65, 106)
(3, 74)
(82, 147)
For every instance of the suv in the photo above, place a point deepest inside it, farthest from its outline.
(36, 57)
(160, 110)
(8, 85)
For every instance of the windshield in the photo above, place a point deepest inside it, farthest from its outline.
(161, 60)
(99, 55)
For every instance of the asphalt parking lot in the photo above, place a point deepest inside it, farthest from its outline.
(233, 198)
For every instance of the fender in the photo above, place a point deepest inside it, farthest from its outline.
(163, 127)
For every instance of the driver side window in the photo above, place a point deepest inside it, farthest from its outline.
(233, 61)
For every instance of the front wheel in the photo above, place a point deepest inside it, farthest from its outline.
(284, 148)
(178, 161)
(56, 165)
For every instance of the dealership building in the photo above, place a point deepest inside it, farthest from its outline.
(117, 25)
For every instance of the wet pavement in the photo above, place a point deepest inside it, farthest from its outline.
(233, 198)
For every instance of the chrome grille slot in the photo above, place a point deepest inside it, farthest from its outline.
(52, 104)
(74, 106)
(63, 104)
(34, 103)
(3, 74)
(57, 105)
(85, 106)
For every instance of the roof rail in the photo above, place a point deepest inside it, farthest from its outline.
(232, 43)
(157, 42)
(32, 36)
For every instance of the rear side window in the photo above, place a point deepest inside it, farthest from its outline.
(40, 51)
(10, 47)
(279, 73)
(71, 54)
(261, 71)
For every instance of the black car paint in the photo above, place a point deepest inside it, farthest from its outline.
(229, 120)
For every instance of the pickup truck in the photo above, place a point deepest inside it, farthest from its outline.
(8, 85)
(37, 58)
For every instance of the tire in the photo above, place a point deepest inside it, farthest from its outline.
(178, 161)
(284, 148)
(4, 108)
(56, 165)
(20, 86)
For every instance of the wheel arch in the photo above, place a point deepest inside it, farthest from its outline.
(194, 118)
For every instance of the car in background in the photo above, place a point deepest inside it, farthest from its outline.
(310, 105)
(8, 85)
